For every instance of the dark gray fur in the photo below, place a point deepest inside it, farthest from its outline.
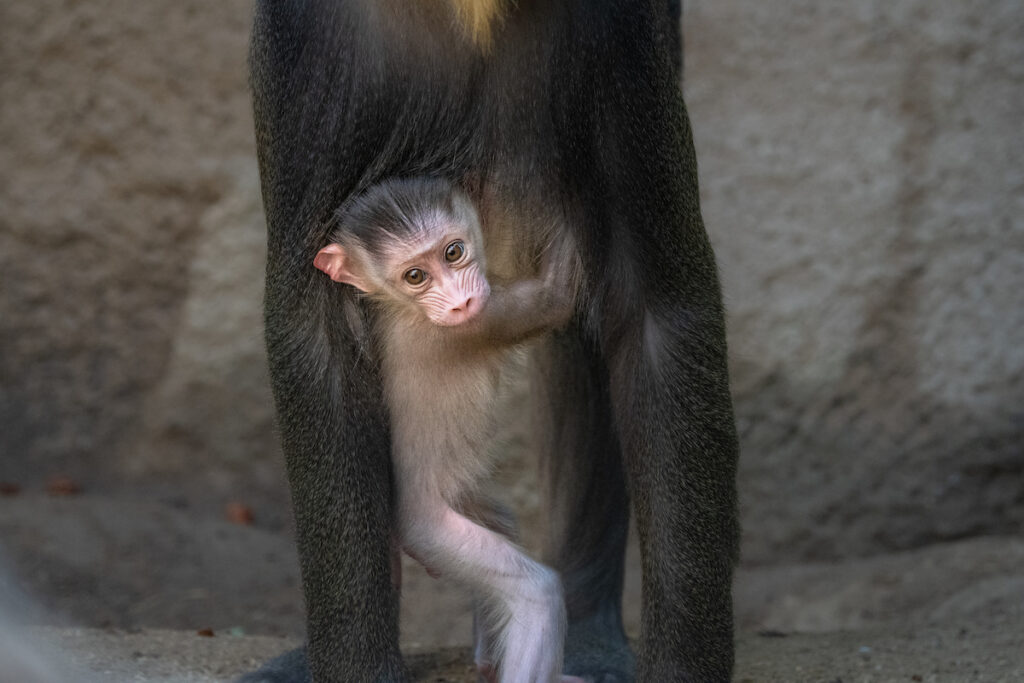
(390, 209)
(577, 109)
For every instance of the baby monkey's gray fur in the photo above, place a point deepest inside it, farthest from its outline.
(440, 382)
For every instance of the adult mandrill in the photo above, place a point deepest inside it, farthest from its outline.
(547, 113)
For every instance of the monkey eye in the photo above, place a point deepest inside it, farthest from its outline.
(414, 276)
(454, 251)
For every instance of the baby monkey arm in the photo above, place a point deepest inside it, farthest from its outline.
(530, 307)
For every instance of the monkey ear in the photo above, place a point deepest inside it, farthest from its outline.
(338, 264)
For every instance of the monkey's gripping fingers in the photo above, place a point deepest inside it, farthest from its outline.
(561, 267)
(561, 275)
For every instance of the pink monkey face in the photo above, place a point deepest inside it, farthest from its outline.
(438, 270)
(446, 282)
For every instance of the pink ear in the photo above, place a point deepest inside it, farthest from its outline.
(334, 261)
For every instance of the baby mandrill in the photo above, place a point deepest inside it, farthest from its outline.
(415, 247)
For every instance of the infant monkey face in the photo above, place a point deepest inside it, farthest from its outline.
(447, 283)
(412, 244)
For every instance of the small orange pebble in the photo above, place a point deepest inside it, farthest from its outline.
(9, 488)
(62, 485)
(238, 513)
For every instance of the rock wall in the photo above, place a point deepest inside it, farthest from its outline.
(130, 238)
(862, 177)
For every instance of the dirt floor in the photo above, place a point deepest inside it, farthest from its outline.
(124, 586)
(950, 654)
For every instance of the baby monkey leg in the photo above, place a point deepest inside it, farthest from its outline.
(522, 599)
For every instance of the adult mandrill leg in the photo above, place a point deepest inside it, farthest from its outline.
(588, 509)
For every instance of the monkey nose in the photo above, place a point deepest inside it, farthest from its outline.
(467, 310)
(474, 305)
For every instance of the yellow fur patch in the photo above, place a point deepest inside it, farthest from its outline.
(478, 18)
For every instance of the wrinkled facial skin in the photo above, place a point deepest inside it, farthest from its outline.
(443, 277)
(438, 272)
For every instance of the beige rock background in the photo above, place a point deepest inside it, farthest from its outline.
(130, 241)
(862, 170)
(863, 176)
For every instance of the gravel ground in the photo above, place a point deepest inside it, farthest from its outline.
(957, 653)
(123, 587)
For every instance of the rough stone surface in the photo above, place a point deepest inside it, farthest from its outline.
(122, 126)
(934, 655)
(864, 187)
(130, 563)
(214, 395)
(133, 563)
